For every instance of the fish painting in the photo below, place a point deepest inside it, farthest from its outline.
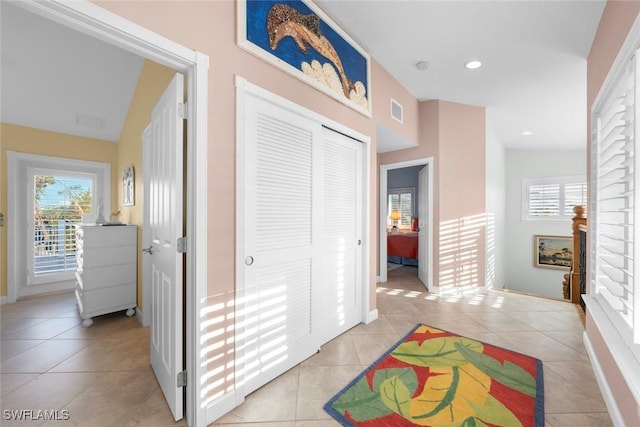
(285, 21)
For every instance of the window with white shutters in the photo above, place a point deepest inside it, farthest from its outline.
(552, 199)
(612, 217)
(401, 200)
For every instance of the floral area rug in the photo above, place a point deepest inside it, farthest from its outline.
(437, 378)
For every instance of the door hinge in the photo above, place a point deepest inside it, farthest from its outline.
(181, 245)
(182, 379)
(183, 110)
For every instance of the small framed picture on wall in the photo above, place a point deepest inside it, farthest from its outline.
(128, 181)
(553, 251)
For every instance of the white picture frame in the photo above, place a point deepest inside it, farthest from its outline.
(128, 186)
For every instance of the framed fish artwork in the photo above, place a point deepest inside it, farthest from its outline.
(300, 38)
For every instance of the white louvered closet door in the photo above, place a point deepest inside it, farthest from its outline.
(337, 295)
(278, 241)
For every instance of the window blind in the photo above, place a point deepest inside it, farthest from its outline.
(553, 198)
(401, 200)
(574, 195)
(614, 181)
(544, 200)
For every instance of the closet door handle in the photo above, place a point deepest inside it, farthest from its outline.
(248, 260)
(359, 242)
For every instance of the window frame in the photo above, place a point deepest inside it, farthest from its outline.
(400, 191)
(18, 165)
(32, 172)
(562, 182)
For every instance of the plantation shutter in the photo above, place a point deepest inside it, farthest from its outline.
(574, 195)
(613, 183)
(401, 200)
(544, 200)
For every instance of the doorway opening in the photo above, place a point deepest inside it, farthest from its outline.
(406, 218)
(94, 21)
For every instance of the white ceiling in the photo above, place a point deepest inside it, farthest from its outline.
(534, 55)
(533, 78)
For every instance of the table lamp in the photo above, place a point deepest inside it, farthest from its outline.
(395, 216)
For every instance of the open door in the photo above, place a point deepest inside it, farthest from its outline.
(423, 226)
(163, 259)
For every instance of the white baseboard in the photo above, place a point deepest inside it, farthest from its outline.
(4, 300)
(371, 316)
(607, 395)
(221, 406)
(28, 291)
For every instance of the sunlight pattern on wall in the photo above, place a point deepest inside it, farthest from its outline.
(462, 242)
(491, 251)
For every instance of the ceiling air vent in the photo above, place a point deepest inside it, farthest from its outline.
(90, 121)
(396, 110)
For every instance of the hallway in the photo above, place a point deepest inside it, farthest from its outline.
(101, 374)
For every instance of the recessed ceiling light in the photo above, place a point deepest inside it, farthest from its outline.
(526, 133)
(422, 65)
(472, 65)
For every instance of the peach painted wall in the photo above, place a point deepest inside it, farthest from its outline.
(459, 188)
(210, 27)
(382, 101)
(153, 80)
(616, 22)
(462, 195)
(33, 141)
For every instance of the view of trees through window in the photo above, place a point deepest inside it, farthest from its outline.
(59, 203)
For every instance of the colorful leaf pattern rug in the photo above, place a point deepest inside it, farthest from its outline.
(437, 378)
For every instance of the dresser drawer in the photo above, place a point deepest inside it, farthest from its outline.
(106, 276)
(99, 257)
(106, 236)
(107, 300)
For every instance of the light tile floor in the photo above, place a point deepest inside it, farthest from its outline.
(547, 329)
(101, 374)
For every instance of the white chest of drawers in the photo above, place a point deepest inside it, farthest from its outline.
(107, 269)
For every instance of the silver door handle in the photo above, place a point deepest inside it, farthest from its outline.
(148, 250)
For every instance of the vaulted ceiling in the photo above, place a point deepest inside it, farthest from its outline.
(57, 79)
(533, 77)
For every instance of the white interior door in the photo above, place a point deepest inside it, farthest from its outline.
(337, 296)
(277, 256)
(163, 188)
(423, 226)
